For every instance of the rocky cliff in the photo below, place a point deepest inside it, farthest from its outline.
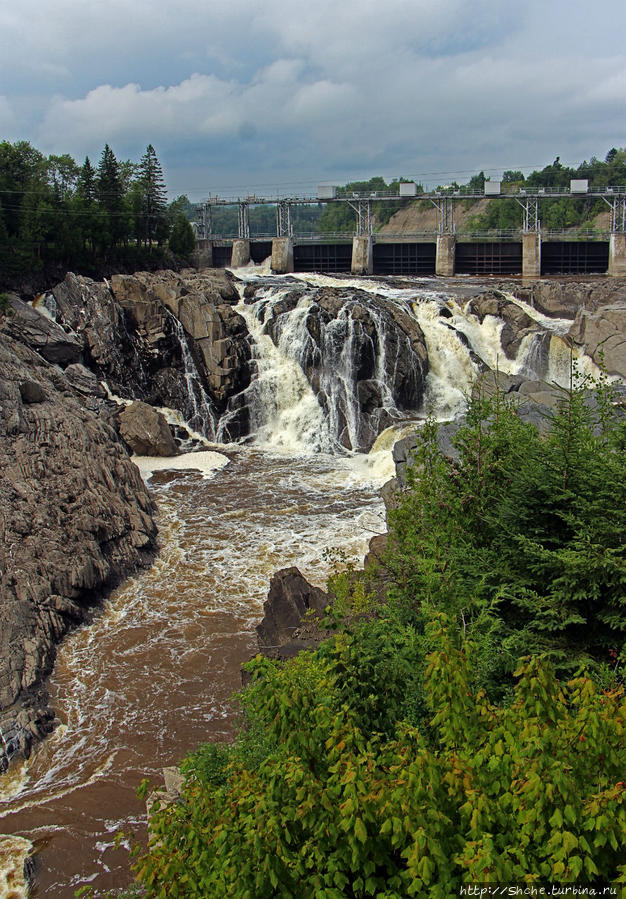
(75, 515)
(169, 339)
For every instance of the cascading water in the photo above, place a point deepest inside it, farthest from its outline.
(342, 367)
(351, 358)
(202, 418)
(284, 412)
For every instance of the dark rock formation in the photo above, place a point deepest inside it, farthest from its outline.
(517, 324)
(289, 600)
(42, 333)
(168, 339)
(602, 335)
(598, 311)
(562, 298)
(75, 517)
(145, 431)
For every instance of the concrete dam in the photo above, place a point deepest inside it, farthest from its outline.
(530, 251)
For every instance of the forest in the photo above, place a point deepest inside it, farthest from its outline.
(56, 212)
(464, 722)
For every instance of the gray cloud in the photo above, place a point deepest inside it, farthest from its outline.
(291, 91)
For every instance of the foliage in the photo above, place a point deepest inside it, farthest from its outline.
(557, 214)
(413, 751)
(154, 224)
(182, 240)
(55, 211)
(523, 532)
(528, 792)
(5, 305)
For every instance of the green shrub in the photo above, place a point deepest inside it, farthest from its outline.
(527, 793)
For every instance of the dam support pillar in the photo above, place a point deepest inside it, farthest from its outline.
(241, 253)
(203, 254)
(282, 255)
(446, 249)
(362, 255)
(531, 254)
(617, 255)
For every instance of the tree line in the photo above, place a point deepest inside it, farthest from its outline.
(53, 210)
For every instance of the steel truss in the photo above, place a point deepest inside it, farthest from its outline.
(364, 222)
(530, 205)
(446, 214)
(284, 224)
(244, 221)
(206, 221)
(617, 205)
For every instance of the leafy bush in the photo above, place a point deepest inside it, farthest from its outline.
(530, 792)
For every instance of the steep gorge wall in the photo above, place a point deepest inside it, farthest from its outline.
(75, 518)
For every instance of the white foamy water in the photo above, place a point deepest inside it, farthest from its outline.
(207, 462)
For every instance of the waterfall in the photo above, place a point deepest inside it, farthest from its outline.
(202, 418)
(284, 412)
(333, 371)
(337, 361)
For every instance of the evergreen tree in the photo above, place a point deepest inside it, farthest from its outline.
(109, 193)
(85, 206)
(86, 185)
(154, 197)
(182, 239)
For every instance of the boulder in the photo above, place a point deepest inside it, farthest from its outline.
(32, 392)
(84, 381)
(145, 430)
(517, 323)
(602, 335)
(364, 357)
(289, 599)
(40, 332)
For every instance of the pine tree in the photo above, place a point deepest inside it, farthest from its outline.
(86, 187)
(110, 195)
(154, 205)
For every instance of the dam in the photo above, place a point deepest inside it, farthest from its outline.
(530, 251)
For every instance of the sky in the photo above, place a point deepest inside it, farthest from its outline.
(275, 97)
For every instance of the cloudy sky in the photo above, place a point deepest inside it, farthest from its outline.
(277, 96)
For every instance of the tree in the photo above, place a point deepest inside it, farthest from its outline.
(110, 194)
(86, 184)
(154, 197)
(511, 176)
(523, 531)
(477, 182)
(182, 240)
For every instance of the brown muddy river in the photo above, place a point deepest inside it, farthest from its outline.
(154, 673)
